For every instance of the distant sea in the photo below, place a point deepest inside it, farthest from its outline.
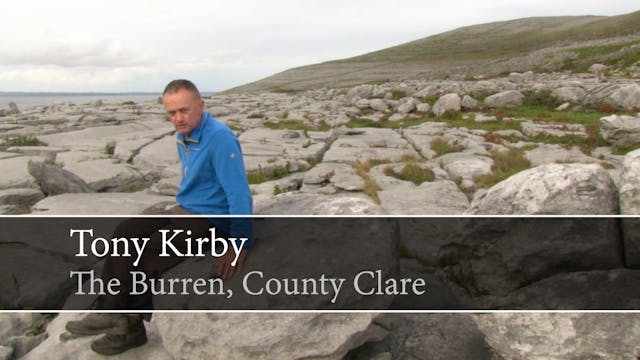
(25, 100)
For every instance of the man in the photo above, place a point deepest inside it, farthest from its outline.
(213, 182)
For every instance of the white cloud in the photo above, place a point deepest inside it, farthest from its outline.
(85, 45)
(70, 54)
(55, 78)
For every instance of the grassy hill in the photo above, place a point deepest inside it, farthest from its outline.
(539, 44)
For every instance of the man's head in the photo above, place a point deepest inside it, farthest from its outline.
(184, 106)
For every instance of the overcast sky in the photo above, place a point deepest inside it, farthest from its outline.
(124, 46)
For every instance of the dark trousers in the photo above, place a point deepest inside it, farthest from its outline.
(150, 263)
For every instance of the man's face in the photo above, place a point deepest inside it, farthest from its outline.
(184, 110)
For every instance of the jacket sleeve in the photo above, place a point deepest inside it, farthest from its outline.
(229, 165)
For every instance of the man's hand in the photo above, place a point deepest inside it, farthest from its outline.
(224, 268)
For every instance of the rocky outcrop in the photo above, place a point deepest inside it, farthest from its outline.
(561, 336)
(627, 97)
(552, 189)
(629, 187)
(506, 99)
(617, 96)
(630, 205)
(449, 103)
(20, 333)
(414, 336)
(281, 336)
(54, 180)
(621, 131)
(497, 256)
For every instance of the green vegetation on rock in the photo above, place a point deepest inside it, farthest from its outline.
(411, 172)
(22, 141)
(505, 164)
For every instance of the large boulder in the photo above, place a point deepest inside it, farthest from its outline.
(484, 88)
(37, 257)
(621, 130)
(620, 96)
(107, 175)
(599, 290)
(627, 97)
(412, 336)
(407, 106)
(495, 256)
(449, 103)
(361, 92)
(630, 205)
(19, 200)
(21, 334)
(265, 336)
(562, 336)
(518, 78)
(572, 94)
(469, 103)
(378, 105)
(505, 99)
(54, 180)
(552, 189)
(629, 186)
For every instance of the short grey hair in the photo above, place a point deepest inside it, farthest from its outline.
(177, 85)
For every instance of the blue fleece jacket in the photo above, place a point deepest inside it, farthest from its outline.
(213, 181)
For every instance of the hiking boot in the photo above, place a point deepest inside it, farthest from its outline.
(121, 339)
(95, 323)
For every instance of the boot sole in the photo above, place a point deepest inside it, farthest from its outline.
(114, 351)
(86, 332)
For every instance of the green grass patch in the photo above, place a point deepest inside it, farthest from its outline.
(277, 190)
(586, 144)
(398, 94)
(363, 122)
(132, 189)
(385, 124)
(255, 115)
(469, 123)
(429, 99)
(624, 150)
(260, 176)
(442, 146)
(505, 164)
(297, 125)
(547, 113)
(22, 141)
(540, 98)
(411, 172)
(504, 40)
(287, 125)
